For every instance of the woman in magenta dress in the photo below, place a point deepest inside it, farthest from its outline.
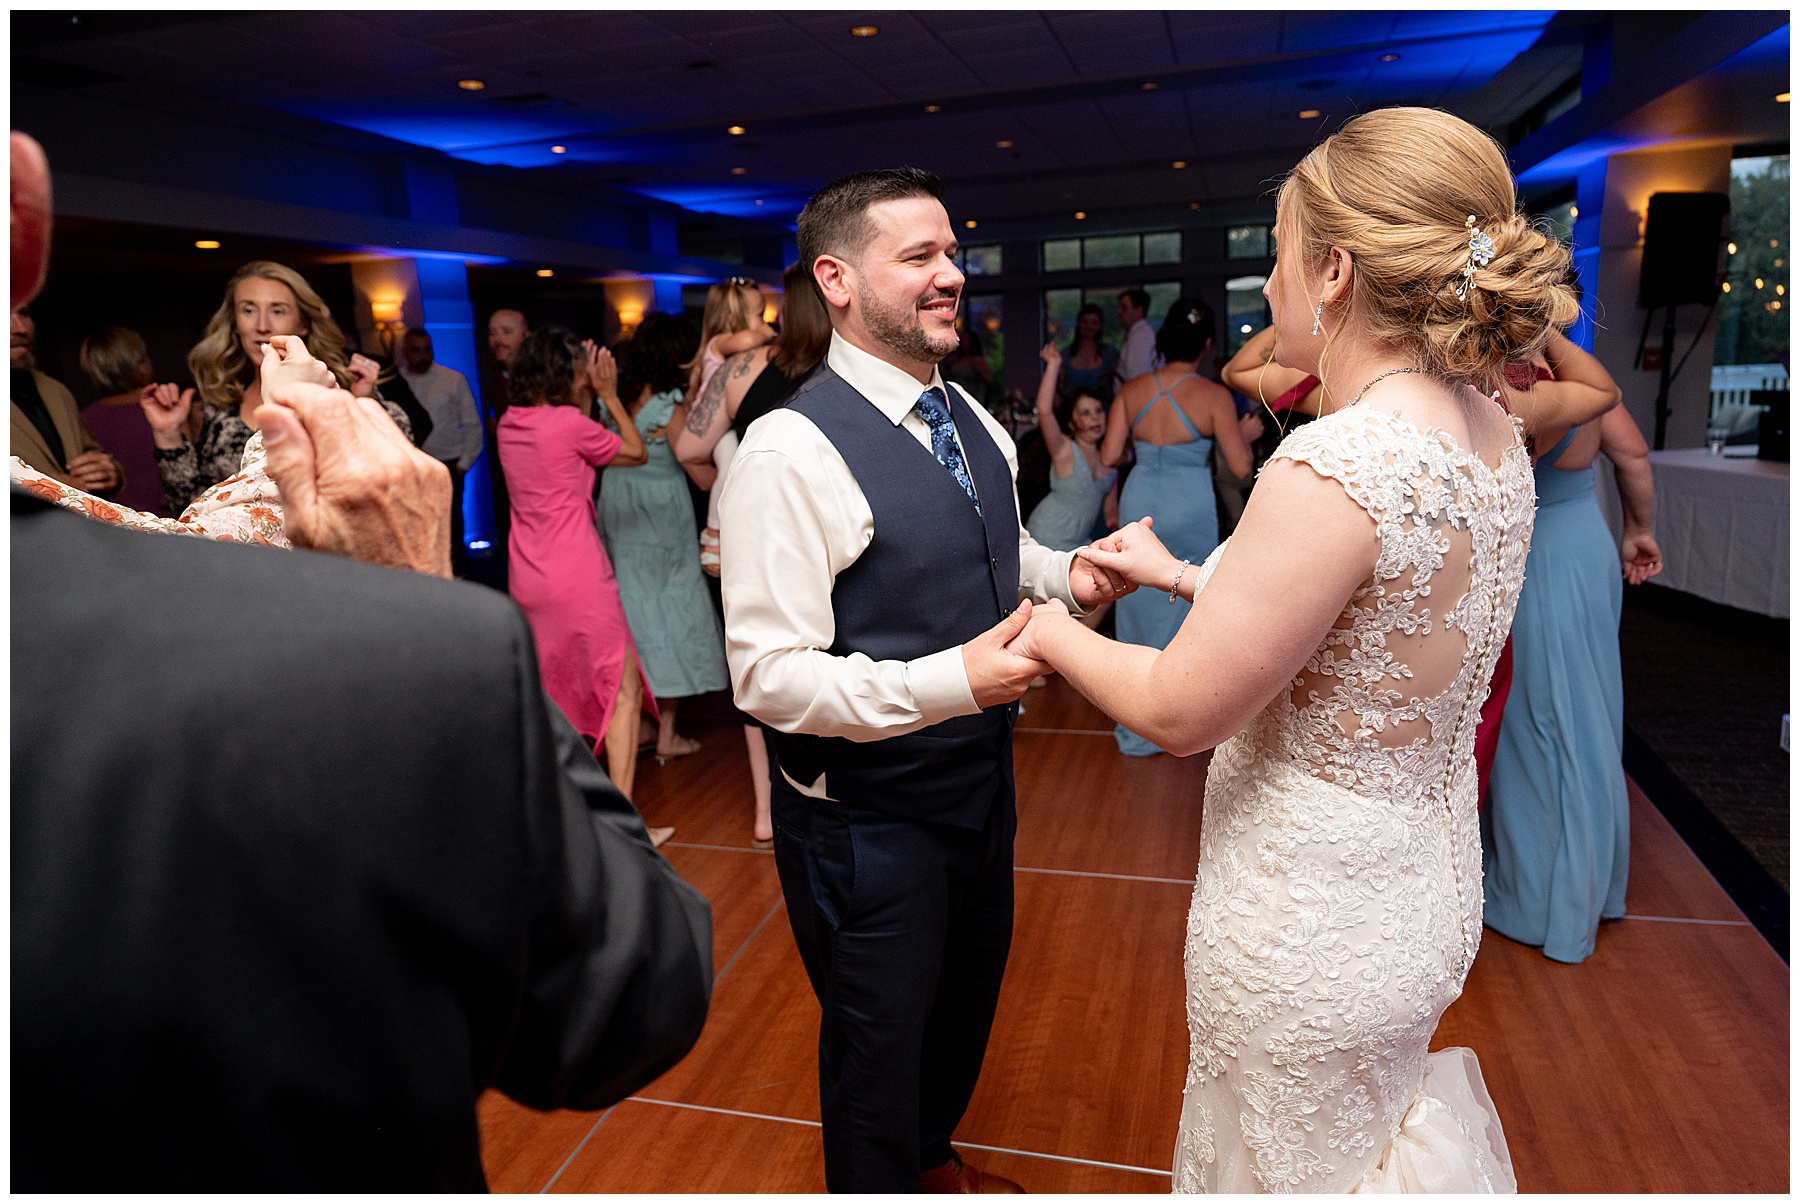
(559, 574)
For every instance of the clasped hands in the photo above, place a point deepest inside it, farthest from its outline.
(1002, 662)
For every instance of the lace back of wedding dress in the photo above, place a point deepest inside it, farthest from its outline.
(1338, 905)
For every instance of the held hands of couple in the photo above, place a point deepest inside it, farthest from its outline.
(350, 482)
(998, 670)
(1132, 554)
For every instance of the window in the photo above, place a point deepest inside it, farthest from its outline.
(1754, 306)
(979, 261)
(982, 321)
(1062, 306)
(1112, 251)
(1248, 242)
(1163, 248)
(1062, 255)
(1245, 310)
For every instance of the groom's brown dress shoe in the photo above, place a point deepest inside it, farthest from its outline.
(957, 1177)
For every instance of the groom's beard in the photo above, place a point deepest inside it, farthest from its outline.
(900, 329)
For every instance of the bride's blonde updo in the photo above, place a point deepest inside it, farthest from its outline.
(1395, 188)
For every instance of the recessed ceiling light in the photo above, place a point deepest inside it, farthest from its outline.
(471, 85)
(934, 108)
(1574, 212)
(1390, 58)
(1004, 144)
(1080, 215)
(207, 244)
(970, 224)
(1193, 204)
(545, 272)
(738, 171)
(1731, 248)
(1782, 97)
(1179, 164)
(735, 130)
(864, 31)
(1308, 114)
(559, 150)
(1148, 85)
(759, 200)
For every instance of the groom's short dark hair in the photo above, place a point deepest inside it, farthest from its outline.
(836, 220)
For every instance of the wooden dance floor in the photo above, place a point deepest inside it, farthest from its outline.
(1660, 1064)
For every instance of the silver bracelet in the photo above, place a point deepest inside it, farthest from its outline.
(1175, 590)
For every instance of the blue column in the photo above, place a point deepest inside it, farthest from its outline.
(450, 320)
(1590, 201)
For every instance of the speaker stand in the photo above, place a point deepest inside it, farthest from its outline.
(1662, 390)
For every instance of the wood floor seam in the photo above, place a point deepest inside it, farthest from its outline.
(763, 923)
(1691, 920)
(1032, 869)
(576, 1152)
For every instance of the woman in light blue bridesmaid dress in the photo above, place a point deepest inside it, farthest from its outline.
(1555, 830)
(1080, 486)
(1173, 417)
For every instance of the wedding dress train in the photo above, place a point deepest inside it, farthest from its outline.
(1338, 904)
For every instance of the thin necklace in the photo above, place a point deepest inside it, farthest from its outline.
(1377, 380)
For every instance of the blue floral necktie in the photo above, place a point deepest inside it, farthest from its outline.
(935, 410)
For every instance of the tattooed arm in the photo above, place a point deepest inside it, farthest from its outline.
(709, 417)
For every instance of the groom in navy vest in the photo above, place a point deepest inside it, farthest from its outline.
(874, 571)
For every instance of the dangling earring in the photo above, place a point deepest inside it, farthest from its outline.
(1319, 317)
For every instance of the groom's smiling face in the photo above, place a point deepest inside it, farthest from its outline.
(909, 284)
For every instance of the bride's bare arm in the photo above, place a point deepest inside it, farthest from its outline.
(1300, 551)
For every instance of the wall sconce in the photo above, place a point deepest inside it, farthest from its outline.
(631, 313)
(386, 310)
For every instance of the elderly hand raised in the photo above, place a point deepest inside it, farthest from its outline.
(350, 482)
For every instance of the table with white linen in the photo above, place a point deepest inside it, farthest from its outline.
(1722, 522)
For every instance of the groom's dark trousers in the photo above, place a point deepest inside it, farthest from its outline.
(899, 884)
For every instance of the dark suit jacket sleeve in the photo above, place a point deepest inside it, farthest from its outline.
(620, 971)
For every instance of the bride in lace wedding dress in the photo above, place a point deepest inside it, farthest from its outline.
(1337, 656)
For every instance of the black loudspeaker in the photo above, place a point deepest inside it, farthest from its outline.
(1683, 234)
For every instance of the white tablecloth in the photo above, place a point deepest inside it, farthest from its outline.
(1723, 526)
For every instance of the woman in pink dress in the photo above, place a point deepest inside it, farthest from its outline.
(558, 573)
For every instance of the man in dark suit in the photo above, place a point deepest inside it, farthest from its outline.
(301, 890)
(872, 561)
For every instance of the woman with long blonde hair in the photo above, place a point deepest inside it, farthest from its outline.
(1336, 658)
(195, 450)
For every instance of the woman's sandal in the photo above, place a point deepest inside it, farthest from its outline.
(659, 836)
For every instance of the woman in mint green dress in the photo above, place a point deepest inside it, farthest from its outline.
(647, 522)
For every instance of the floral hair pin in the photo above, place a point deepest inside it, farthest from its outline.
(1481, 253)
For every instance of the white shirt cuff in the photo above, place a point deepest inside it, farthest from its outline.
(940, 686)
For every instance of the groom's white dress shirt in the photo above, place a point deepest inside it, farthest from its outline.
(791, 518)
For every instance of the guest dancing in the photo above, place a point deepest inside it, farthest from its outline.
(195, 451)
(557, 569)
(1337, 654)
(1082, 489)
(646, 521)
(1556, 831)
(1089, 364)
(731, 324)
(1173, 416)
(118, 363)
(745, 388)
